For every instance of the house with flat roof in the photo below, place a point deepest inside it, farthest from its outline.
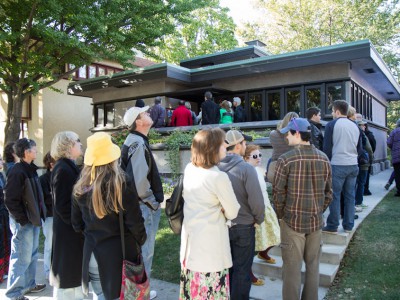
(268, 85)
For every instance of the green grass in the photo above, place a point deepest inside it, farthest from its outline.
(166, 265)
(371, 266)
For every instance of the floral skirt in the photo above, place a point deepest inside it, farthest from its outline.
(268, 233)
(204, 286)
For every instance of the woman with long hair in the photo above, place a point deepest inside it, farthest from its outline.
(226, 113)
(101, 192)
(268, 233)
(210, 203)
(66, 257)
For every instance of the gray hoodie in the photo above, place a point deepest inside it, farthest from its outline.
(247, 189)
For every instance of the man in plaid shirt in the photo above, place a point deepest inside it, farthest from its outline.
(302, 191)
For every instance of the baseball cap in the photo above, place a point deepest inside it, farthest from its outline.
(234, 137)
(297, 124)
(132, 114)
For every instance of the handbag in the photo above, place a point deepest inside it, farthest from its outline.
(174, 208)
(135, 283)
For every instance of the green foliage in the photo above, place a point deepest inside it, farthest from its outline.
(298, 25)
(38, 38)
(393, 114)
(173, 143)
(204, 31)
(119, 137)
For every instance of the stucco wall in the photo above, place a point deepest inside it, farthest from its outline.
(64, 112)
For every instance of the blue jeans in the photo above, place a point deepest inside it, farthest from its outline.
(343, 180)
(94, 278)
(23, 259)
(151, 220)
(47, 227)
(242, 241)
(361, 180)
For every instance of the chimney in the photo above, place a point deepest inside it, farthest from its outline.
(257, 43)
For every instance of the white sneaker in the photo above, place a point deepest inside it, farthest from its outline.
(359, 209)
(153, 294)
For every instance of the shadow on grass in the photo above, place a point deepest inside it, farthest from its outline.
(166, 265)
(371, 266)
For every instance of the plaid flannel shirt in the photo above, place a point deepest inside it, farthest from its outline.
(302, 188)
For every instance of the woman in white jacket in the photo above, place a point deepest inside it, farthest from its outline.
(209, 205)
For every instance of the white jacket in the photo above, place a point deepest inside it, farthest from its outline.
(205, 237)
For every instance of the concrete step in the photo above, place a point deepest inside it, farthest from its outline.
(342, 238)
(327, 272)
(331, 254)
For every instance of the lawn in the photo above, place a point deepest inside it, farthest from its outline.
(166, 264)
(371, 266)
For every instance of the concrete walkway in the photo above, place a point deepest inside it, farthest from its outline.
(272, 290)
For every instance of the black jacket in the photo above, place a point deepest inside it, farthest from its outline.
(239, 115)
(209, 113)
(102, 237)
(66, 257)
(371, 139)
(23, 194)
(48, 201)
(317, 139)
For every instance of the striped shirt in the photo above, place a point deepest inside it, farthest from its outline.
(302, 188)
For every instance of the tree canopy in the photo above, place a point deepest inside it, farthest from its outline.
(291, 25)
(38, 38)
(204, 31)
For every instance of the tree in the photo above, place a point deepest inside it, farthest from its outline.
(204, 31)
(291, 25)
(39, 38)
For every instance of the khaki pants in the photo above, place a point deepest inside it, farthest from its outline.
(296, 247)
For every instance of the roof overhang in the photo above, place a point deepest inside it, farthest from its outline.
(361, 56)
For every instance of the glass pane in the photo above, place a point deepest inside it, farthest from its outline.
(100, 116)
(110, 115)
(256, 107)
(82, 72)
(110, 71)
(102, 71)
(333, 92)
(313, 97)
(274, 106)
(92, 71)
(293, 101)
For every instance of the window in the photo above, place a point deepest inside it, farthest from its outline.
(362, 101)
(333, 92)
(92, 71)
(274, 105)
(255, 107)
(293, 100)
(104, 115)
(82, 72)
(313, 97)
(102, 71)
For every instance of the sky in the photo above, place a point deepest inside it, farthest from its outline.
(240, 10)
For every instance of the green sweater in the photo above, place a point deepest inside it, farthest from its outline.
(226, 117)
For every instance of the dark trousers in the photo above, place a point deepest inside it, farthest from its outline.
(242, 241)
(366, 186)
(396, 168)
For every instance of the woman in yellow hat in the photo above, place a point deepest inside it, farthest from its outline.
(100, 193)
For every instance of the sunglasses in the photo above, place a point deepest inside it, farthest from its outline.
(255, 156)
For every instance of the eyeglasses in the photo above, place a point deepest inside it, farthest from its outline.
(255, 156)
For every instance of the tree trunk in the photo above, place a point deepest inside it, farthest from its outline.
(14, 113)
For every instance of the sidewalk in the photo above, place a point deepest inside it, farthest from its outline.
(272, 289)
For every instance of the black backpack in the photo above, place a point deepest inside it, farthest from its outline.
(174, 207)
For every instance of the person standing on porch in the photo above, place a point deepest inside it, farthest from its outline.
(138, 162)
(302, 192)
(209, 110)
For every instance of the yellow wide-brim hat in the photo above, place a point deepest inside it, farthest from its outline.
(100, 151)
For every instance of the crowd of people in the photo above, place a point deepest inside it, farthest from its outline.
(227, 212)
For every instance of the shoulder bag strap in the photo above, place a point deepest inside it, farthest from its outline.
(121, 228)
